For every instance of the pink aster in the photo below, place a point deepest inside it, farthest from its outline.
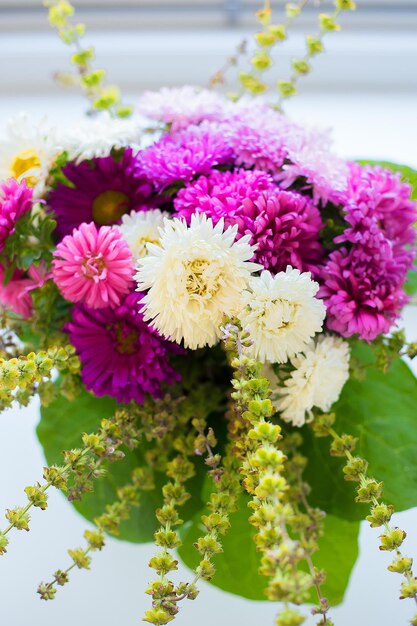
(220, 194)
(362, 291)
(258, 136)
(182, 106)
(16, 295)
(312, 165)
(376, 197)
(93, 266)
(183, 155)
(15, 201)
(285, 227)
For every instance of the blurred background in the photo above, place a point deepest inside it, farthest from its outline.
(365, 87)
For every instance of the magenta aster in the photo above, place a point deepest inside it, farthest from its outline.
(121, 355)
(183, 155)
(220, 194)
(15, 201)
(99, 190)
(362, 291)
(93, 266)
(284, 225)
(363, 285)
(378, 196)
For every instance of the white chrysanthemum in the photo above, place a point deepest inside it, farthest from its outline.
(181, 106)
(317, 381)
(140, 228)
(281, 314)
(28, 151)
(195, 276)
(96, 137)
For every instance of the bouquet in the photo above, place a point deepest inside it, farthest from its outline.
(206, 300)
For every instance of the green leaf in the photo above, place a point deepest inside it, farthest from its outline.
(60, 428)
(237, 566)
(381, 411)
(411, 284)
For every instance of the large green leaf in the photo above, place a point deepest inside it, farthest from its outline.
(381, 411)
(237, 566)
(60, 428)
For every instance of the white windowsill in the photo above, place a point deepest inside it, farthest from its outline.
(360, 61)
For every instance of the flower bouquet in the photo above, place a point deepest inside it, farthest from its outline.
(206, 300)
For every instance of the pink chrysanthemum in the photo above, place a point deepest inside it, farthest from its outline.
(121, 355)
(378, 196)
(16, 295)
(283, 225)
(183, 155)
(363, 285)
(101, 190)
(93, 266)
(362, 291)
(312, 164)
(15, 201)
(258, 136)
(220, 194)
(182, 106)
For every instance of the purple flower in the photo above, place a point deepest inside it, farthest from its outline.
(220, 194)
(182, 106)
(363, 293)
(311, 164)
(100, 190)
(15, 201)
(183, 155)
(258, 136)
(378, 196)
(284, 225)
(121, 355)
(363, 284)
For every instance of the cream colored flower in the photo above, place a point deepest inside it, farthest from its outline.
(281, 314)
(140, 228)
(195, 276)
(320, 373)
(28, 151)
(98, 136)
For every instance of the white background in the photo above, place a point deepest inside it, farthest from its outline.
(378, 124)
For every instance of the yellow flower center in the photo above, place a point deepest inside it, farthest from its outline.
(24, 162)
(93, 267)
(140, 245)
(201, 280)
(109, 207)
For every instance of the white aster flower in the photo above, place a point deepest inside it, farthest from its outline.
(96, 137)
(195, 276)
(140, 228)
(28, 151)
(321, 371)
(281, 314)
(182, 106)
